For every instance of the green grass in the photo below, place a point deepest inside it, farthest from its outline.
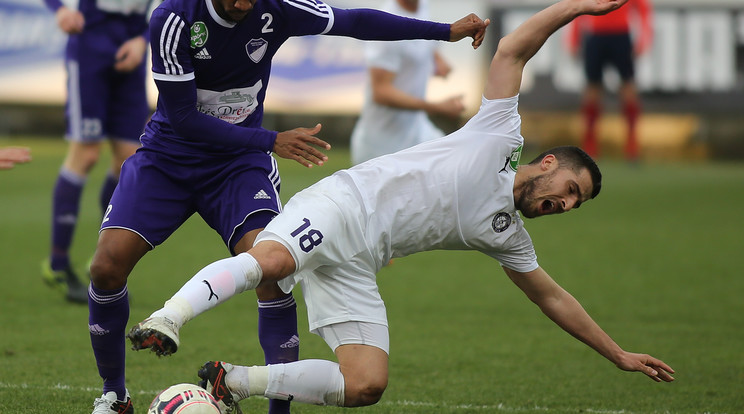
(656, 259)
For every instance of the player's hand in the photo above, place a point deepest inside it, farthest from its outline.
(599, 7)
(130, 54)
(11, 156)
(469, 26)
(299, 144)
(70, 21)
(451, 107)
(654, 368)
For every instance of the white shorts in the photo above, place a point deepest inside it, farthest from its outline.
(356, 333)
(323, 227)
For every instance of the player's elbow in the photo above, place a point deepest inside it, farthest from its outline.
(508, 51)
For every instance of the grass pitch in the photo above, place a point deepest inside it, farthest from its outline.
(656, 260)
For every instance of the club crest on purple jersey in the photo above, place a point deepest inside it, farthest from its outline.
(256, 49)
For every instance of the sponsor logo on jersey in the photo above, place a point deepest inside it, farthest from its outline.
(232, 105)
(199, 34)
(514, 159)
(203, 54)
(261, 195)
(501, 221)
(256, 49)
(236, 97)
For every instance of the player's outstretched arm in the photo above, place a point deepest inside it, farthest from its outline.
(518, 47)
(567, 312)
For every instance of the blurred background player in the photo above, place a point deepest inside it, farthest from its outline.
(106, 99)
(10, 156)
(395, 112)
(614, 39)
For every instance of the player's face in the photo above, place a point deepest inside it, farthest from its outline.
(233, 10)
(555, 191)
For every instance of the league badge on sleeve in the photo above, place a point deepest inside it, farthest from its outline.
(501, 222)
(514, 159)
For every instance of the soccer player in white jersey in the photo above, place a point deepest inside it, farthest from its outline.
(463, 191)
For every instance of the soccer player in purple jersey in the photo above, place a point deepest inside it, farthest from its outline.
(204, 151)
(106, 99)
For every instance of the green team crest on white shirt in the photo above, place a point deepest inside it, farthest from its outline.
(199, 35)
(514, 158)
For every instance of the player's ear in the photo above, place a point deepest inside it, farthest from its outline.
(549, 161)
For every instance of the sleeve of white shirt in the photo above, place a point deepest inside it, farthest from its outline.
(519, 254)
(497, 115)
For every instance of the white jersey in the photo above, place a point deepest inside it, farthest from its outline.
(452, 193)
(382, 129)
(455, 192)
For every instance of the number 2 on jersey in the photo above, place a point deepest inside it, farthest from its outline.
(309, 239)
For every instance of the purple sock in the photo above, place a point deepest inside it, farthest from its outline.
(277, 333)
(65, 206)
(107, 321)
(107, 189)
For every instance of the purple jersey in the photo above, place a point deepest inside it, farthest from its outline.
(204, 149)
(223, 67)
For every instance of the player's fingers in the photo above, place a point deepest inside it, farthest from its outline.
(665, 376)
(313, 155)
(311, 140)
(662, 364)
(311, 131)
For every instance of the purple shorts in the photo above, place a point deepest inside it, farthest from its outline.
(157, 193)
(101, 102)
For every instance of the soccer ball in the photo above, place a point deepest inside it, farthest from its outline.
(184, 399)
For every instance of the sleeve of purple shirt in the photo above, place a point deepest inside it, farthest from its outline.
(370, 24)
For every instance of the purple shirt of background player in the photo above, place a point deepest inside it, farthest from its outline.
(204, 151)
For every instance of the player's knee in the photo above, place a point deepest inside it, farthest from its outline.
(275, 260)
(105, 274)
(366, 392)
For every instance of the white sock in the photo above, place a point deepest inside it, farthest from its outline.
(311, 381)
(214, 284)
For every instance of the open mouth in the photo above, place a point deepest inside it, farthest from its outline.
(547, 207)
